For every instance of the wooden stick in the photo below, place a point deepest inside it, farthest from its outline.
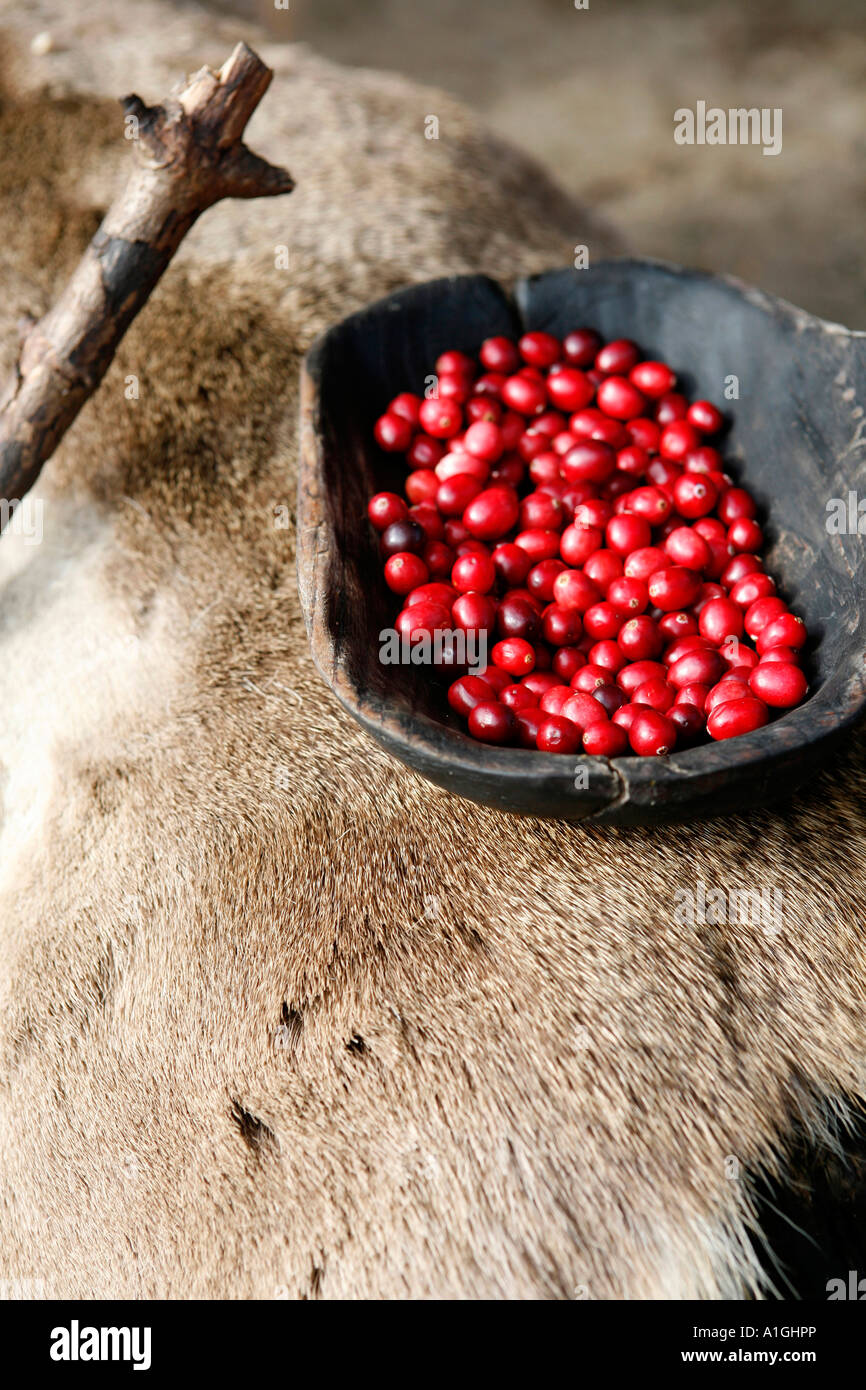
(189, 155)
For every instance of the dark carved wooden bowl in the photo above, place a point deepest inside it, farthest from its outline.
(798, 440)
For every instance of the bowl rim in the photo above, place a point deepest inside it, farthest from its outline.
(449, 756)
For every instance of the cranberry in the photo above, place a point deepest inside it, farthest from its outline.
(720, 618)
(529, 721)
(651, 503)
(541, 512)
(523, 394)
(405, 571)
(786, 654)
(484, 440)
(778, 684)
(640, 639)
(511, 563)
(583, 710)
(402, 536)
(455, 493)
(474, 572)
(654, 379)
(492, 514)
(539, 545)
(541, 577)
(590, 677)
(452, 465)
(657, 693)
(703, 459)
(544, 468)
(454, 387)
(727, 689)
(422, 620)
(493, 723)
(515, 655)
(762, 612)
(553, 699)
(539, 349)
(739, 567)
(619, 398)
(422, 486)
(632, 461)
(441, 418)
(645, 434)
(705, 417)
(477, 408)
(393, 433)
(474, 612)
(610, 697)
(434, 592)
(628, 532)
(686, 546)
(652, 733)
(617, 357)
(539, 682)
(736, 717)
(677, 624)
(469, 691)
(750, 588)
(578, 543)
(590, 461)
(561, 627)
(569, 389)
(558, 735)
(693, 694)
(572, 589)
(674, 588)
(518, 617)
(605, 740)
(636, 673)
(644, 562)
(699, 667)
(784, 631)
(737, 503)
(672, 406)
(689, 721)
(628, 597)
(518, 697)
(581, 347)
(603, 567)
(499, 679)
(499, 355)
(744, 534)
(386, 508)
(567, 661)
(694, 495)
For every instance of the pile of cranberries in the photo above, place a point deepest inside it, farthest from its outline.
(562, 499)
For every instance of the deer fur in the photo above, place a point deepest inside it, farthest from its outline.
(278, 1018)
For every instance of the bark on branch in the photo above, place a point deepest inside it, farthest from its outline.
(188, 155)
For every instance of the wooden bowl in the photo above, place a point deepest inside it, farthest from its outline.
(798, 440)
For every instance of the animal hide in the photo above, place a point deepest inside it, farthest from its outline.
(277, 1017)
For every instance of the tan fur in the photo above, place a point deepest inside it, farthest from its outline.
(278, 1017)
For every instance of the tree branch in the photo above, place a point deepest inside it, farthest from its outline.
(188, 155)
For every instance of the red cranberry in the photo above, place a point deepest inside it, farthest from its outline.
(441, 418)
(693, 694)
(558, 735)
(524, 395)
(677, 624)
(725, 690)
(493, 723)
(515, 655)
(637, 673)
(477, 408)
(705, 417)
(699, 667)
(786, 654)
(750, 588)
(785, 631)
(541, 577)
(603, 567)
(393, 433)
(581, 347)
(778, 684)
(694, 495)
(386, 508)
(567, 661)
(474, 612)
(422, 620)
(736, 717)
(737, 503)
(739, 567)
(512, 564)
(539, 349)
(654, 379)
(469, 691)
(499, 679)
(645, 434)
(589, 678)
(617, 357)
(651, 503)
(744, 534)
(583, 710)
(434, 592)
(652, 734)
(499, 355)
(619, 398)
(644, 562)
(571, 589)
(578, 543)
(632, 461)
(405, 571)
(492, 514)
(674, 588)
(672, 407)
(455, 493)
(539, 545)
(657, 693)
(640, 638)
(591, 461)
(553, 699)
(628, 597)
(594, 424)
(569, 389)
(605, 741)
(474, 572)
(529, 721)
(484, 440)
(561, 627)
(518, 697)
(762, 612)
(720, 618)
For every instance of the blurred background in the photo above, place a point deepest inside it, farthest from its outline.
(591, 93)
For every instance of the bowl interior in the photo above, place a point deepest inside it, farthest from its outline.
(792, 387)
